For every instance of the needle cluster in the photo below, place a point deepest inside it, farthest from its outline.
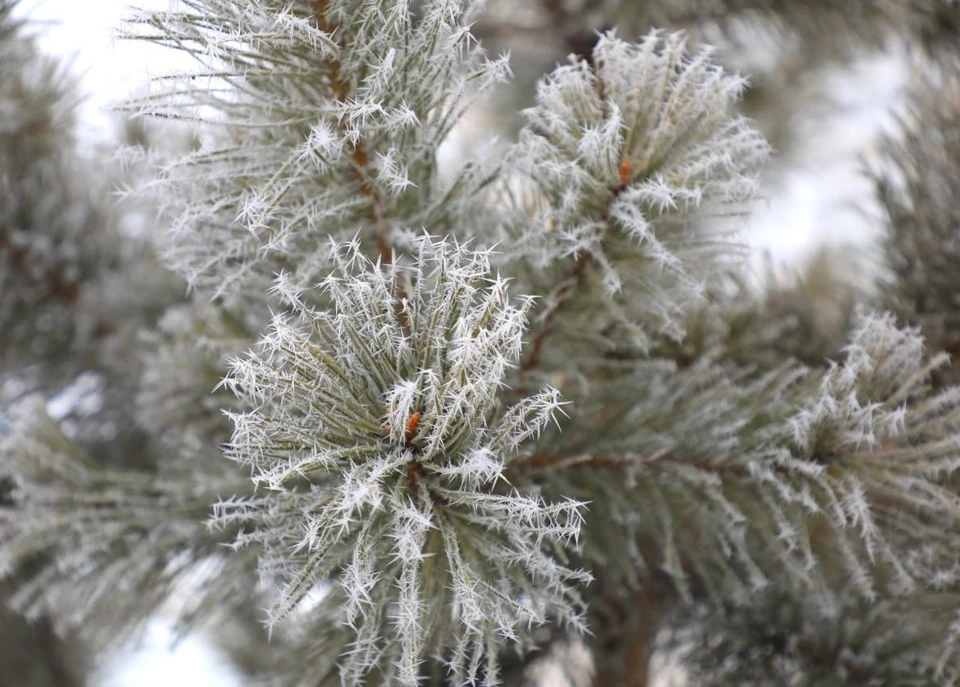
(376, 430)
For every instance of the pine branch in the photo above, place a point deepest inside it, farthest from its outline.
(411, 519)
(889, 643)
(628, 154)
(385, 407)
(916, 186)
(76, 531)
(832, 475)
(335, 125)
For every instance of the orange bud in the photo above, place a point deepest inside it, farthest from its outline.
(625, 171)
(412, 425)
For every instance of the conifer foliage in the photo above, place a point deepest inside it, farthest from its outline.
(431, 420)
(374, 425)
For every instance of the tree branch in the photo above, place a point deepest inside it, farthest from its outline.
(358, 151)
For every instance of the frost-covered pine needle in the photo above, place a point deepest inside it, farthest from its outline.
(315, 118)
(375, 430)
(630, 150)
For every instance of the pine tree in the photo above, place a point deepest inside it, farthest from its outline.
(523, 419)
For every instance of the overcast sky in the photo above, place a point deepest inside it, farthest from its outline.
(83, 32)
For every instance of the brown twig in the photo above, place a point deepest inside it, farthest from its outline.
(340, 86)
(58, 285)
(564, 291)
(557, 461)
(413, 475)
(542, 461)
(578, 37)
(567, 287)
(633, 670)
